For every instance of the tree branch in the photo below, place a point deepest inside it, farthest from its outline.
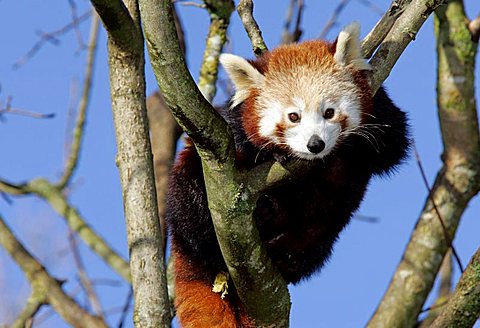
(220, 11)
(230, 201)
(457, 181)
(85, 281)
(36, 274)
(119, 24)
(164, 134)
(444, 291)
(35, 301)
(401, 34)
(208, 130)
(72, 161)
(294, 36)
(333, 19)
(373, 39)
(52, 37)
(57, 200)
(245, 11)
(463, 307)
(135, 164)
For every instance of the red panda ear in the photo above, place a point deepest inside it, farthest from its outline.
(348, 51)
(243, 75)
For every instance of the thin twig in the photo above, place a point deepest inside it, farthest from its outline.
(294, 36)
(75, 221)
(245, 11)
(9, 110)
(366, 218)
(73, 9)
(63, 304)
(84, 101)
(372, 6)
(85, 282)
(448, 239)
(333, 19)
(288, 21)
(48, 37)
(125, 308)
(70, 121)
(192, 4)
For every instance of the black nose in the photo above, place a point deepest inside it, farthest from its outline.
(315, 144)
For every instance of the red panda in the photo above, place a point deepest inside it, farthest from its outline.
(310, 101)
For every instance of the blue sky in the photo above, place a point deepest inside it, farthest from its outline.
(347, 290)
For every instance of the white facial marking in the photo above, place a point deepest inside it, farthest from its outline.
(312, 123)
(310, 105)
(269, 120)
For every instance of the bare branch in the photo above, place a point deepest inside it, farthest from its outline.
(463, 307)
(35, 301)
(135, 162)
(50, 37)
(72, 161)
(78, 33)
(119, 24)
(402, 33)
(9, 110)
(245, 10)
(191, 3)
(446, 235)
(57, 200)
(125, 308)
(13, 189)
(63, 304)
(333, 19)
(82, 273)
(372, 6)
(444, 291)
(383, 26)
(267, 303)
(220, 11)
(209, 131)
(457, 181)
(294, 36)
(164, 134)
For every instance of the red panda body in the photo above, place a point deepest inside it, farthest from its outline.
(309, 101)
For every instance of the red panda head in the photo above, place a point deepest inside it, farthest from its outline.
(302, 98)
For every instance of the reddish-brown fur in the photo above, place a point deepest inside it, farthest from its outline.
(198, 307)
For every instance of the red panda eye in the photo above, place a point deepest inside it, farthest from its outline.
(294, 117)
(329, 112)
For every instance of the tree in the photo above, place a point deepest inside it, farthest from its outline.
(458, 181)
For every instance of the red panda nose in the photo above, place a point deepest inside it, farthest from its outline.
(315, 144)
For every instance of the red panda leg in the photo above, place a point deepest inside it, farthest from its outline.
(197, 305)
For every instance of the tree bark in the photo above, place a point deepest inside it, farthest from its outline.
(135, 163)
(457, 181)
(463, 307)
